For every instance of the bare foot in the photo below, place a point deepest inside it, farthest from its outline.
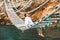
(41, 35)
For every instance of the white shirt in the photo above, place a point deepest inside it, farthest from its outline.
(28, 21)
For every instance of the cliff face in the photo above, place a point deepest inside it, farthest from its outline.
(35, 15)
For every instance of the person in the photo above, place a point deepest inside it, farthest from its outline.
(28, 20)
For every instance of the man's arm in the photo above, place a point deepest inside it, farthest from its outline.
(26, 21)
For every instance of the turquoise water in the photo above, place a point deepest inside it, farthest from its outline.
(12, 33)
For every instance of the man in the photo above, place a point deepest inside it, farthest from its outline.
(28, 21)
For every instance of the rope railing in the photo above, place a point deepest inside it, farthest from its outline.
(35, 8)
(12, 15)
(55, 18)
(26, 5)
(47, 15)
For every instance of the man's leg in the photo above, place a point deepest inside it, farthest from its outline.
(40, 33)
